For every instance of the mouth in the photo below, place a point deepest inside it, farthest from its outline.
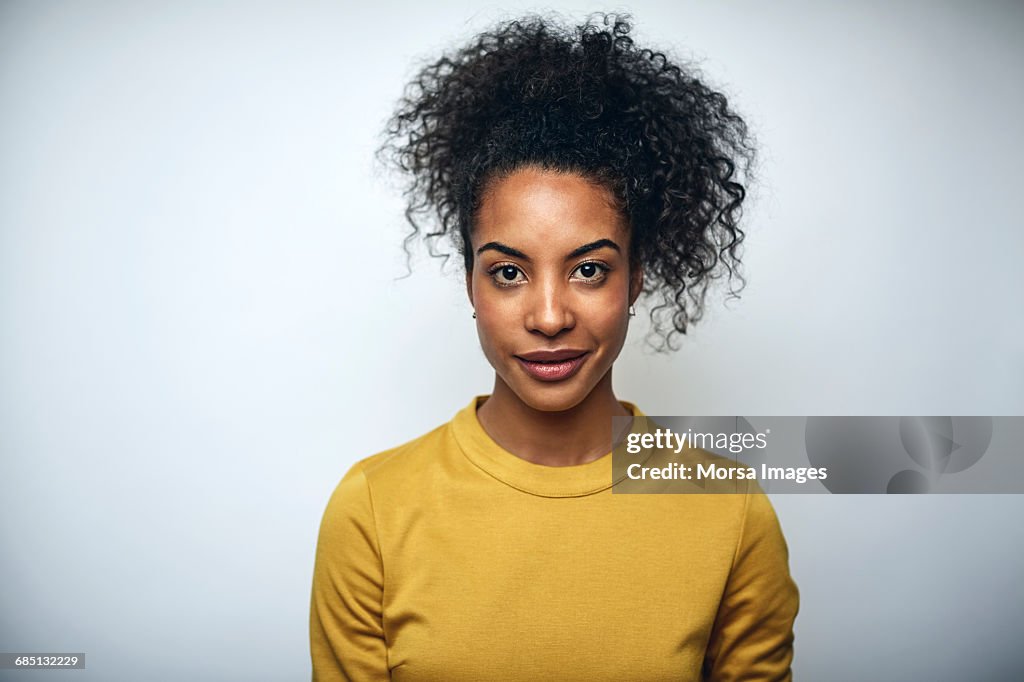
(552, 365)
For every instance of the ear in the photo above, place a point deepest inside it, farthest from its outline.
(636, 283)
(469, 288)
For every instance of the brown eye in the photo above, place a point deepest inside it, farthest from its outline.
(591, 273)
(507, 275)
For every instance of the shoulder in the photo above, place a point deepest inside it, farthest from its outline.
(392, 470)
(410, 458)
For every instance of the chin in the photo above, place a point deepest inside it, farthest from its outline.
(552, 397)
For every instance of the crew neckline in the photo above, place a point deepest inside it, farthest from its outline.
(536, 479)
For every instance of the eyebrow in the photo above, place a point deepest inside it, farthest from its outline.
(579, 251)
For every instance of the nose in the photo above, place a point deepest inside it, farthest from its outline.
(550, 310)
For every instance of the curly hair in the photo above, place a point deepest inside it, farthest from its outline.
(585, 100)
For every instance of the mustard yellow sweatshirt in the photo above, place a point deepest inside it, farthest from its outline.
(450, 558)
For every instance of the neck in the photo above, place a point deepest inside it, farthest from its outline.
(575, 436)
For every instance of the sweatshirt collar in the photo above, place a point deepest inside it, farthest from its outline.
(535, 479)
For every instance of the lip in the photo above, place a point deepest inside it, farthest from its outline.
(551, 355)
(553, 365)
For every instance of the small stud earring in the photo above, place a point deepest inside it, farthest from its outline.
(474, 314)
(631, 311)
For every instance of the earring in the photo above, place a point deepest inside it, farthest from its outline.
(474, 314)
(632, 312)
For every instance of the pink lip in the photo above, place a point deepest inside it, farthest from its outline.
(555, 370)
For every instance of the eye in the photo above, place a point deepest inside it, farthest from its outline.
(506, 274)
(591, 272)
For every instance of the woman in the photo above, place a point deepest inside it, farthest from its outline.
(574, 172)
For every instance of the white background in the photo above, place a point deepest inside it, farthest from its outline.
(201, 326)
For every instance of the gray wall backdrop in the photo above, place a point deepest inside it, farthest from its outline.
(201, 329)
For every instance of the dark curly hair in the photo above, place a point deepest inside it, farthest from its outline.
(585, 100)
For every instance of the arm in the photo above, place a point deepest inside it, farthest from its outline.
(346, 633)
(752, 638)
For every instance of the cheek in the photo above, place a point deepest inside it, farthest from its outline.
(496, 311)
(492, 323)
(607, 314)
(612, 325)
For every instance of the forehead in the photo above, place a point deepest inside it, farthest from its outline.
(550, 209)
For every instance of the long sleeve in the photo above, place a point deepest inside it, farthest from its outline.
(345, 621)
(752, 638)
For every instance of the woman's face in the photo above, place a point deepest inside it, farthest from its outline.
(551, 285)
